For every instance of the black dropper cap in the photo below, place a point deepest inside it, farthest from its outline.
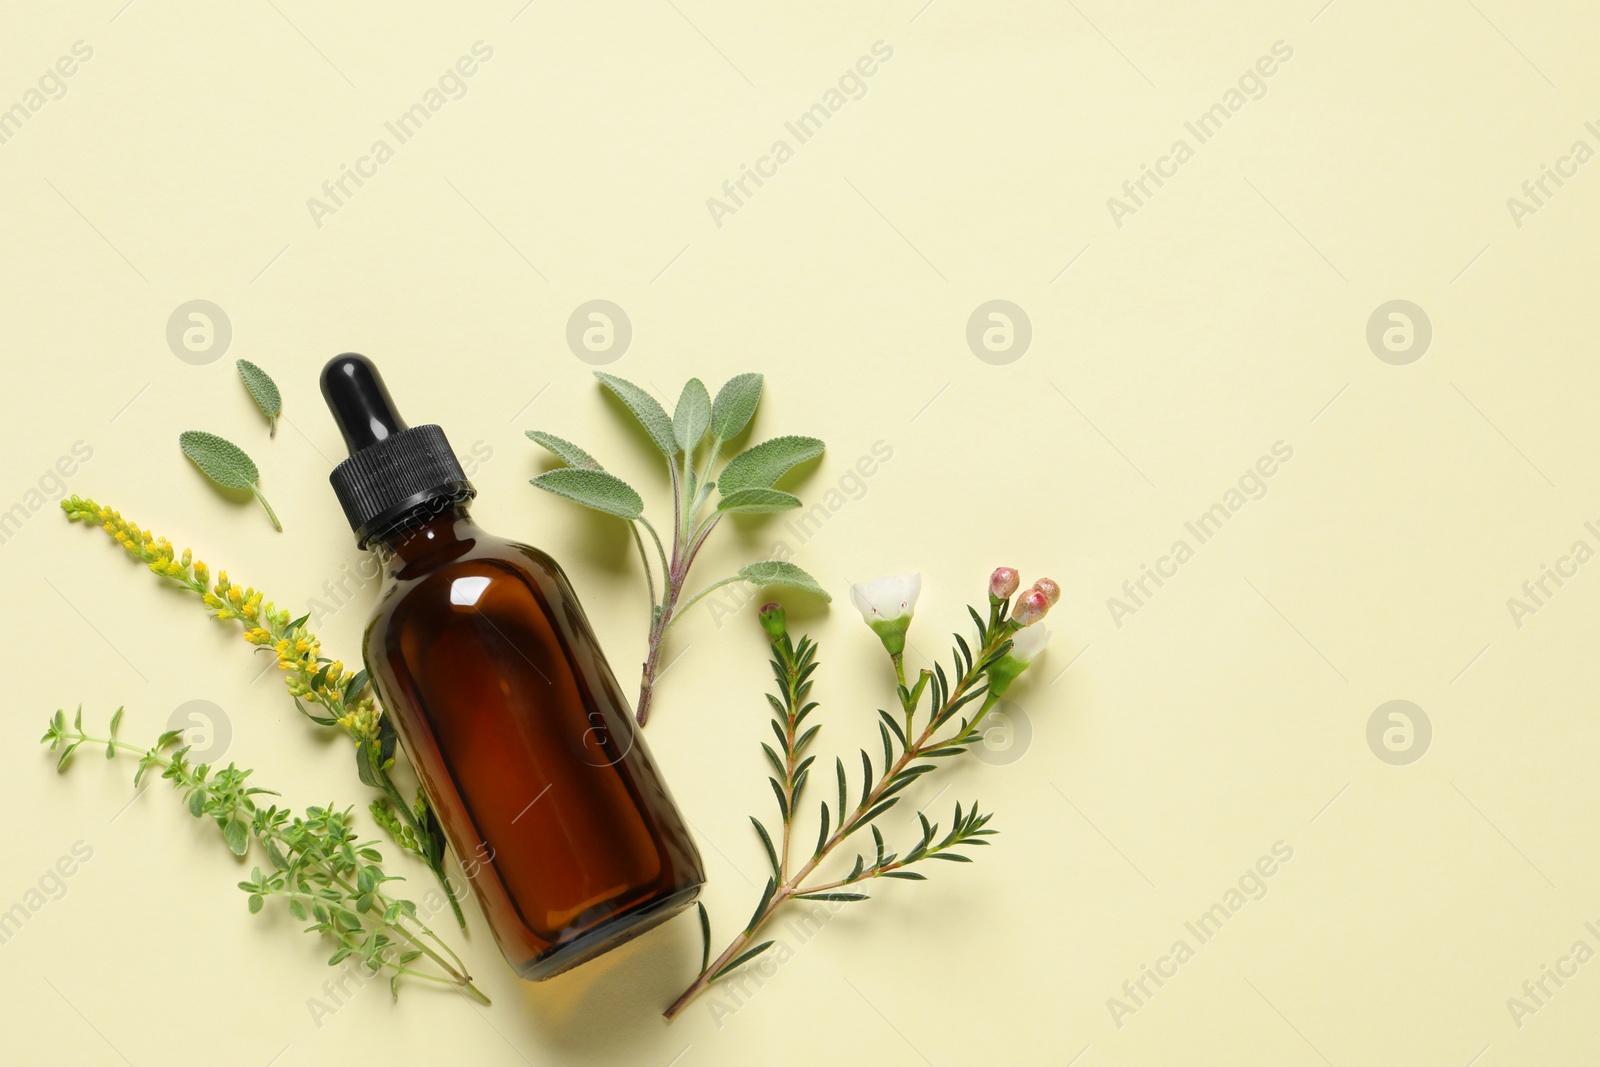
(395, 474)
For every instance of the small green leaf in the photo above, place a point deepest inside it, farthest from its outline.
(705, 936)
(264, 391)
(831, 896)
(735, 406)
(255, 902)
(651, 415)
(742, 958)
(566, 451)
(778, 572)
(593, 489)
(237, 836)
(757, 501)
(761, 906)
(766, 841)
(760, 466)
(783, 801)
(222, 461)
(693, 415)
(354, 684)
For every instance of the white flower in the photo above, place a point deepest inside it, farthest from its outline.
(887, 605)
(886, 599)
(1028, 643)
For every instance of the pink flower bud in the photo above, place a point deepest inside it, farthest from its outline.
(1003, 582)
(1031, 607)
(1051, 591)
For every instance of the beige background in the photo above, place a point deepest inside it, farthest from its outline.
(1228, 313)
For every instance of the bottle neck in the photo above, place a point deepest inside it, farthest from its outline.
(420, 544)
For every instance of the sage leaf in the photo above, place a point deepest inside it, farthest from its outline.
(593, 489)
(566, 451)
(693, 415)
(757, 501)
(735, 406)
(264, 391)
(760, 466)
(222, 461)
(778, 572)
(226, 464)
(651, 415)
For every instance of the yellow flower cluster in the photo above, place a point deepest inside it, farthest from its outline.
(298, 651)
(229, 601)
(361, 719)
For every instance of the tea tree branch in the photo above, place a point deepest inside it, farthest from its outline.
(977, 680)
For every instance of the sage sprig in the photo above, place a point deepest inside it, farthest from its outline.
(316, 864)
(690, 441)
(981, 672)
(264, 391)
(341, 699)
(226, 464)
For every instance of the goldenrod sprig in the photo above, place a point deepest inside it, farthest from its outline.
(321, 687)
(318, 866)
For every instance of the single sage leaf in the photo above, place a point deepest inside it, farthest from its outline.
(565, 450)
(226, 464)
(689, 422)
(651, 415)
(757, 501)
(760, 466)
(593, 489)
(264, 391)
(777, 572)
(735, 406)
(222, 461)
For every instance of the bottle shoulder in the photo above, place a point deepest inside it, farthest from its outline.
(477, 574)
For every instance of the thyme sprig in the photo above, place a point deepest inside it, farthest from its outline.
(958, 701)
(321, 687)
(316, 863)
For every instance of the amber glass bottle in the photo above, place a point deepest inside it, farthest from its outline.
(524, 743)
